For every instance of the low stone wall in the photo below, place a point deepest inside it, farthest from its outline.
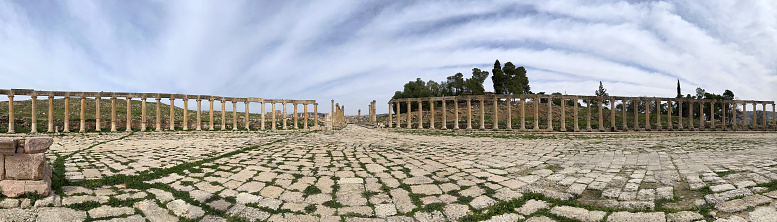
(23, 167)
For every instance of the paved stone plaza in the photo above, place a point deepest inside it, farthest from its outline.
(361, 174)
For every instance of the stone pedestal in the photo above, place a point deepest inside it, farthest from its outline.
(23, 167)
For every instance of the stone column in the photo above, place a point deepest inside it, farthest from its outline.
(223, 114)
(283, 115)
(431, 114)
(456, 115)
(575, 114)
(199, 114)
(315, 115)
(679, 114)
(261, 122)
(444, 115)
(624, 121)
(305, 115)
(612, 114)
(185, 113)
(523, 113)
(550, 115)
(409, 116)
(469, 114)
(172, 113)
(536, 113)
(658, 114)
(763, 115)
(690, 114)
(113, 114)
(774, 115)
(143, 113)
(158, 114)
(636, 114)
(67, 113)
(701, 115)
(420, 115)
(712, 114)
(129, 114)
(390, 113)
(272, 127)
(211, 114)
(496, 113)
(234, 115)
(723, 117)
(482, 114)
(588, 120)
(601, 117)
(744, 114)
(295, 115)
(10, 114)
(399, 118)
(509, 103)
(51, 114)
(247, 123)
(563, 115)
(669, 113)
(647, 114)
(97, 114)
(34, 125)
(333, 113)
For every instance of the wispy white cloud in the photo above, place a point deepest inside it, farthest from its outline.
(357, 51)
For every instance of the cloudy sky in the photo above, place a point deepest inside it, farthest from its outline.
(356, 51)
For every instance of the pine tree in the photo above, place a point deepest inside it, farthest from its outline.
(498, 78)
(602, 92)
(679, 94)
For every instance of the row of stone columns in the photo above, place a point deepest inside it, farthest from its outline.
(650, 103)
(158, 127)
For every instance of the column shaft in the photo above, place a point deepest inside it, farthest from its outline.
(223, 114)
(11, 126)
(420, 115)
(612, 114)
(295, 115)
(509, 103)
(67, 114)
(129, 115)
(283, 115)
(444, 114)
(624, 122)
(601, 115)
(712, 114)
(669, 114)
(679, 114)
(305, 109)
(482, 114)
(763, 115)
(701, 115)
(409, 116)
(113, 114)
(97, 114)
(536, 104)
(658, 114)
(550, 115)
(523, 112)
(636, 114)
(588, 118)
(496, 114)
(563, 115)
(456, 115)
(34, 125)
(158, 123)
(273, 126)
(315, 115)
(82, 124)
(469, 114)
(211, 114)
(575, 115)
(431, 114)
(690, 114)
(172, 113)
(234, 115)
(744, 115)
(647, 114)
(199, 114)
(261, 122)
(246, 123)
(51, 114)
(143, 119)
(185, 113)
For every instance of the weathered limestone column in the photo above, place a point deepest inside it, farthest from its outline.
(113, 114)
(185, 113)
(763, 115)
(456, 109)
(399, 118)
(10, 114)
(612, 114)
(588, 120)
(636, 114)
(199, 114)
(305, 116)
(509, 103)
(97, 114)
(744, 114)
(669, 113)
(601, 118)
(420, 115)
(390, 112)
(51, 114)
(647, 114)
(496, 113)
(469, 114)
(690, 114)
(563, 115)
(624, 121)
(143, 113)
(701, 115)
(723, 119)
(67, 113)
(315, 115)
(333, 113)
(550, 115)
(482, 114)
(234, 115)
(680, 114)
(712, 114)
(211, 114)
(223, 114)
(272, 127)
(774, 115)
(523, 113)
(247, 124)
(261, 122)
(158, 114)
(295, 115)
(82, 124)
(34, 124)
(575, 114)
(172, 113)
(409, 116)
(283, 115)
(444, 115)
(658, 114)
(129, 114)
(431, 114)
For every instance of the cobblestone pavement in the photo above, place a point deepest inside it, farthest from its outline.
(361, 174)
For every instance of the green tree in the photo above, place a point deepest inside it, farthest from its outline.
(499, 78)
(602, 92)
(456, 83)
(474, 84)
(679, 94)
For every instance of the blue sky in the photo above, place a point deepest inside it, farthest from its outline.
(357, 51)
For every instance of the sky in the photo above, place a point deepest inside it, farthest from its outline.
(356, 51)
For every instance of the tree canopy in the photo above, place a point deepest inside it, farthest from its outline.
(510, 79)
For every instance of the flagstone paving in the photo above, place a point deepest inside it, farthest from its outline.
(362, 174)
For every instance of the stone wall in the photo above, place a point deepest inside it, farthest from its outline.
(23, 167)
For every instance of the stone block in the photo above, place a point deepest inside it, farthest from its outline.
(12, 188)
(7, 146)
(37, 144)
(25, 166)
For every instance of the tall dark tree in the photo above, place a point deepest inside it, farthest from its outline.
(602, 92)
(456, 83)
(499, 78)
(679, 94)
(474, 84)
(520, 82)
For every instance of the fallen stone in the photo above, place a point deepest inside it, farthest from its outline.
(37, 144)
(56, 214)
(577, 213)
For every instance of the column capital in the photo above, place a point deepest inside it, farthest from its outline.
(34, 96)
(51, 96)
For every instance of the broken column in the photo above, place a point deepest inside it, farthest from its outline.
(24, 168)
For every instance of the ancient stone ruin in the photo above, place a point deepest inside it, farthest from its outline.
(23, 167)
